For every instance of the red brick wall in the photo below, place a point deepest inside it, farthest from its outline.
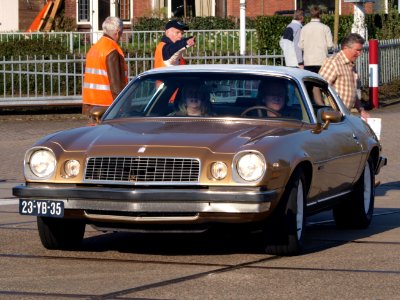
(369, 8)
(27, 13)
(348, 8)
(254, 8)
(141, 8)
(70, 8)
(258, 7)
(269, 7)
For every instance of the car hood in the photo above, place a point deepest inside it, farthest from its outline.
(216, 135)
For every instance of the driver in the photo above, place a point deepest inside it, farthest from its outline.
(272, 93)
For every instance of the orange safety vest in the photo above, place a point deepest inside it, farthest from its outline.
(176, 59)
(96, 85)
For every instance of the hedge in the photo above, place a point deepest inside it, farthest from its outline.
(268, 28)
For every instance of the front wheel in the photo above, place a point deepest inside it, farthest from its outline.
(285, 230)
(57, 233)
(356, 211)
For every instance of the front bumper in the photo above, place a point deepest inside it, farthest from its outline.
(186, 205)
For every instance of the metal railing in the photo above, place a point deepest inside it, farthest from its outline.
(389, 62)
(145, 41)
(27, 82)
(58, 80)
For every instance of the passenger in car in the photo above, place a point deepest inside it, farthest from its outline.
(194, 101)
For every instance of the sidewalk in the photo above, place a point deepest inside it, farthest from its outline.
(18, 133)
(6, 196)
(390, 115)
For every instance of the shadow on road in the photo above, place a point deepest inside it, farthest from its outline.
(321, 234)
(383, 188)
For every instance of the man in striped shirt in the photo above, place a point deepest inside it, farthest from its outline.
(339, 71)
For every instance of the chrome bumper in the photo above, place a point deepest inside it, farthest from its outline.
(224, 200)
(381, 162)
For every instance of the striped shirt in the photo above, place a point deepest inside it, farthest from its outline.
(340, 73)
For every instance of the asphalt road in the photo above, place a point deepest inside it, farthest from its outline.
(338, 264)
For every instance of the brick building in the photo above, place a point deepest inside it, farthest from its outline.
(131, 9)
(89, 14)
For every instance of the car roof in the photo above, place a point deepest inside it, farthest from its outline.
(236, 68)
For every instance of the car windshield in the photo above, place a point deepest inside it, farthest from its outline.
(210, 95)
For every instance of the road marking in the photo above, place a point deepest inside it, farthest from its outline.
(8, 201)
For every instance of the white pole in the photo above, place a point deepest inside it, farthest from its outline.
(242, 27)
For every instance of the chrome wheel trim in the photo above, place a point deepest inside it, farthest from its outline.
(367, 188)
(300, 210)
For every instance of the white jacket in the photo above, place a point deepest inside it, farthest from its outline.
(315, 40)
(289, 44)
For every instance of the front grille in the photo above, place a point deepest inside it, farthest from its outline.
(142, 170)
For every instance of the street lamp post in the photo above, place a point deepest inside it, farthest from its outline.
(336, 24)
(242, 29)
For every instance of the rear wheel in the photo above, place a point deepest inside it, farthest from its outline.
(60, 233)
(285, 230)
(356, 210)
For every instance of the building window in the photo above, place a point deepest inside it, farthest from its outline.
(83, 10)
(125, 10)
(179, 10)
(328, 6)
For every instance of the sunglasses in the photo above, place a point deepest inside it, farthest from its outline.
(190, 99)
(274, 97)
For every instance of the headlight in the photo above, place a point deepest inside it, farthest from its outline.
(42, 163)
(71, 167)
(251, 166)
(219, 170)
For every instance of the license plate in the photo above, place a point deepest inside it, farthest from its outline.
(42, 208)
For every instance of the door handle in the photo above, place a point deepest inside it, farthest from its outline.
(355, 138)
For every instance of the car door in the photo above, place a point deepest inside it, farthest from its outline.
(336, 151)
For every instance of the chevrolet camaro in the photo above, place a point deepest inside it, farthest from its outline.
(150, 164)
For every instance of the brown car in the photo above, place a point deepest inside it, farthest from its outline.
(189, 148)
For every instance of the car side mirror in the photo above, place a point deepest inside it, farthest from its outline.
(97, 112)
(327, 116)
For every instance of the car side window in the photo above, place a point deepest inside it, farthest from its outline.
(280, 97)
(295, 101)
(320, 96)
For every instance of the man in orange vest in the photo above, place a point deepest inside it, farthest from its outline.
(106, 73)
(170, 50)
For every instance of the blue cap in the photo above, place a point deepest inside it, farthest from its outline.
(176, 24)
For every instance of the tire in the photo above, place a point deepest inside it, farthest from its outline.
(285, 230)
(60, 234)
(356, 211)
